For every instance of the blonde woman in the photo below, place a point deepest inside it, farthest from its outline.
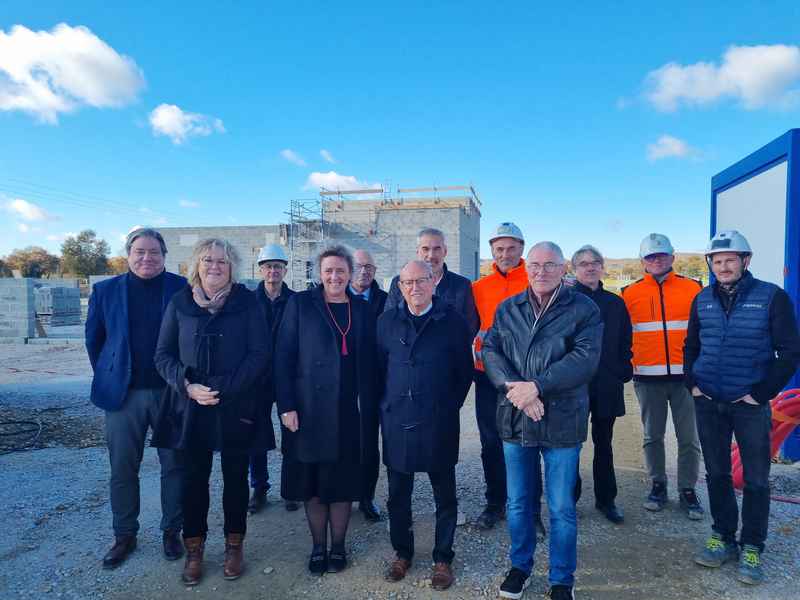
(213, 352)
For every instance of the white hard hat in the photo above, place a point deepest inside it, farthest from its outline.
(272, 252)
(655, 243)
(729, 240)
(507, 229)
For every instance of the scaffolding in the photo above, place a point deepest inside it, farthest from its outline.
(306, 236)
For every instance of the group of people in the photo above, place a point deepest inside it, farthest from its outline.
(202, 363)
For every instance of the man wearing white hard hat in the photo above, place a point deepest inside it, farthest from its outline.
(742, 348)
(508, 278)
(272, 294)
(659, 304)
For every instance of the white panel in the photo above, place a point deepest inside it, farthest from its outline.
(757, 208)
(189, 239)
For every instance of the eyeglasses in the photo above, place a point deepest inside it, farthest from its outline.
(367, 267)
(656, 257)
(220, 262)
(272, 267)
(547, 267)
(409, 283)
(590, 263)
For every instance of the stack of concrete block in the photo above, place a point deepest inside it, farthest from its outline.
(17, 316)
(58, 306)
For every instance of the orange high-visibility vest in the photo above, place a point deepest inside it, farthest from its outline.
(660, 317)
(489, 292)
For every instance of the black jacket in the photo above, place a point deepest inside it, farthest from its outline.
(377, 299)
(273, 313)
(454, 289)
(228, 351)
(423, 378)
(560, 355)
(308, 373)
(606, 394)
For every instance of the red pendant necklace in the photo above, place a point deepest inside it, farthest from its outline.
(336, 324)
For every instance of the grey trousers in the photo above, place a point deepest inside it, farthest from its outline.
(654, 399)
(126, 430)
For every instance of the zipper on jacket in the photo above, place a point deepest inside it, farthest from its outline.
(664, 326)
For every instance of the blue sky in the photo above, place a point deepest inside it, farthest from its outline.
(568, 121)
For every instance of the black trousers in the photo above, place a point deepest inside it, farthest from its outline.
(196, 496)
(494, 464)
(605, 481)
(401, 485)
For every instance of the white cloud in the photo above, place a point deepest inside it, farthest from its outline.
(45, 73)
(27, 211)
(327, 156)
(333, 181)
(668, 146)
(178, 125)
(188, 204)
(23, 227)
(755, 76)
(293, 157)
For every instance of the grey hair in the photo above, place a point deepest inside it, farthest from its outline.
(591, 250)
(549, 246)
(339, 251)
(432, 231)
(144, 232)
(419, 263)
(202, 248)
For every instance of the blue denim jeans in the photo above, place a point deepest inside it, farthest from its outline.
(560, 474)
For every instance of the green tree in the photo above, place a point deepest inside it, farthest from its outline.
(33, 261)
(5, 271)
(84, 254)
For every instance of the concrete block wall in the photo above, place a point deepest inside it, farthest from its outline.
(17, 308)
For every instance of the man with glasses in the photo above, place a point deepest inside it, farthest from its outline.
(659, 305)
(122, 328)
(424, 374)
(363, 284)
(272, 293)
(606, 395)
(450, 287)
(540, 354)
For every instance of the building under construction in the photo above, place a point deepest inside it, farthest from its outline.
(384, 222)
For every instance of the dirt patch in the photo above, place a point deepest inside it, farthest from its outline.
(31, 429)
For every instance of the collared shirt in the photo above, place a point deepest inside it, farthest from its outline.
(419, 320)
(365, 294)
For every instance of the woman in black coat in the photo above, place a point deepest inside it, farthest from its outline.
(213, 351)
(324, 368)
(606, 395)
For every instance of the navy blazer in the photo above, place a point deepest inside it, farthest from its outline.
(107, 340)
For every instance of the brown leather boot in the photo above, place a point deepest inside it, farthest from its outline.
(234, 556)
(193, 568)
(442, 576)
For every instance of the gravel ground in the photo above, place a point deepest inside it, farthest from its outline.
(56, 521)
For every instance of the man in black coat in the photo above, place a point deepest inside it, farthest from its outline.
(606, 397)
(424, 374)
(450, 287)
(272, 294)
(363, 284)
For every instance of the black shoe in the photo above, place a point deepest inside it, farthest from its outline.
(514, 584)
(337, 561)
(657, 498)
(173, 546)
(691, 504)
(123, 546)
(371, 512)
(291, 505)
(318, 562)
(490, 517)
(611, 512)
(561, 592)
(257, 501)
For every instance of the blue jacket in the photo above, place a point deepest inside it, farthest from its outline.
(748, 345)
(107, 339)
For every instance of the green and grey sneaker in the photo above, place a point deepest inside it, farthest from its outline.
(716, 552)
(750, 569)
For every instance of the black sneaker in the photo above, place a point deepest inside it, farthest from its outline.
(691, 504)
(657, 498)
(514, 584)
(490, 517)
(318, 562)
(561, 592)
